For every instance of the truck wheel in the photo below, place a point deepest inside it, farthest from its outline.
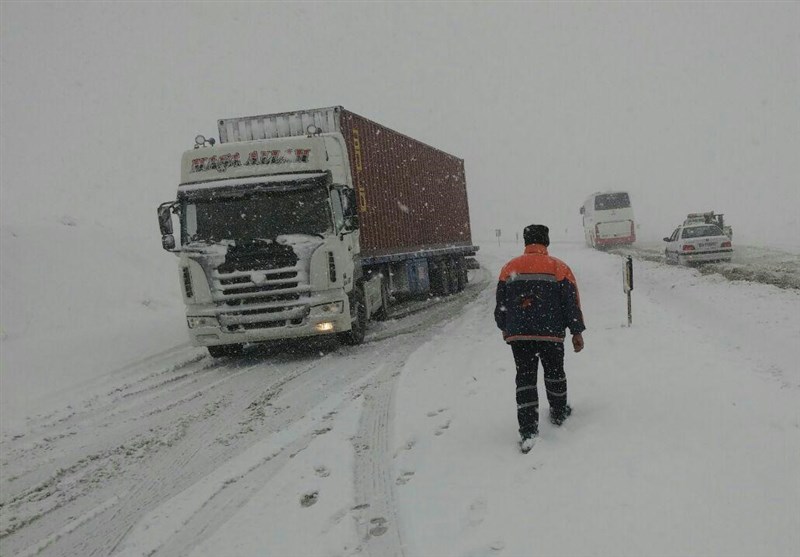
(383, 313)
(455, 281)
(447, 278)
(358, 316)
(224, 350)
(440, 278)
(461, 274)
(462, 280)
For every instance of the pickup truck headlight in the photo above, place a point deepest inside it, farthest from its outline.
(327, 309)
(201, 321)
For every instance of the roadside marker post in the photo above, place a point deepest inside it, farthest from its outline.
(627, 284)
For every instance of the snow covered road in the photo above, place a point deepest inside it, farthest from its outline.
(685, 438)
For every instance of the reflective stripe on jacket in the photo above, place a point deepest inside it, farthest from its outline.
(537, 298)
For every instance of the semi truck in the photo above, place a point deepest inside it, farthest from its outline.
(311, 223)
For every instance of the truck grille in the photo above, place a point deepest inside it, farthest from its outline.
(260, 299)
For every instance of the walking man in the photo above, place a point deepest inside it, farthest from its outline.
(537, 300)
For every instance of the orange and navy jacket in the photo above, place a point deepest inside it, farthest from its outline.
(537, 298)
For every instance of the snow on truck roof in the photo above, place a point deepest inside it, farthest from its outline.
(273, 179)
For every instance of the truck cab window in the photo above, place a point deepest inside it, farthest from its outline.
(191, 222)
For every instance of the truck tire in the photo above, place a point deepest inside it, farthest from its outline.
(461, 274)
(223, 350)
(383, 313)
(452, 267)
(358, 316)
(440, 278)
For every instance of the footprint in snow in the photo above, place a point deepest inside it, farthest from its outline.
(404, 478)
(494, 548)
(477, 511)
(322, 471)
(407, 446)
(378, 527)
(309, 498)
(443, 427)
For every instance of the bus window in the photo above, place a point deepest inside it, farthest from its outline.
(608, 201)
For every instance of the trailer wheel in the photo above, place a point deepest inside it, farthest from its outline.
(446, 279)
(223, 350)
(358, 316)
(455, 281)
(461, 274)
(383, 313)
(440, 283)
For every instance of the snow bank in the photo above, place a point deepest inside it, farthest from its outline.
(77, 301)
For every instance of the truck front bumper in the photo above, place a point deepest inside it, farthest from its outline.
(322, 315)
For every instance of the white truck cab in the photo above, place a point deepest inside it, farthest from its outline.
(268, 241)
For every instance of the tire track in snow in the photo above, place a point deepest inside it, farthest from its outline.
(378, 520)
(153, 459)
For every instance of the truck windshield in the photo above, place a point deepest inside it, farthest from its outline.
(609, 201)
(261, 215)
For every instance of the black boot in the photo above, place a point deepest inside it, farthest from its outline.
(558, 415)
(527, 442)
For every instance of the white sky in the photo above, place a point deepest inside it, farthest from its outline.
(687, 106)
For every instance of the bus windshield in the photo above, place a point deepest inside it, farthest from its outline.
(608, 201)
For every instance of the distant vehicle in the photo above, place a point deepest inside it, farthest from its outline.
(710, 217)
(608, 219)
(698, 243)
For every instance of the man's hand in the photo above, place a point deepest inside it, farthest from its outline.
(577, 342)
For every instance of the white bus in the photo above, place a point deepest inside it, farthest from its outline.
(608, 219)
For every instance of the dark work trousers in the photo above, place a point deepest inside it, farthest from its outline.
(526, 358)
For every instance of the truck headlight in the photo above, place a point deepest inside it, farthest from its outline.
(201, 321)
(327, 309)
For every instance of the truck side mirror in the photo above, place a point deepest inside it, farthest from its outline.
(165, 217)
(165, 211)
(666, 239)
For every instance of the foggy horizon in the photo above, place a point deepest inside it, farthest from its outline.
(688, 107)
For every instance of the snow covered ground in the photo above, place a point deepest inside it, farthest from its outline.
(119, 438)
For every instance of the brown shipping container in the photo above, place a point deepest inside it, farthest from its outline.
(411, 196)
